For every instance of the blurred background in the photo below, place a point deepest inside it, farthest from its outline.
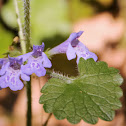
(52, 21)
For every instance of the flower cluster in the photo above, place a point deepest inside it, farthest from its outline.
(14, 70)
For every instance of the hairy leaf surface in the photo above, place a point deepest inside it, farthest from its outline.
(93, 94)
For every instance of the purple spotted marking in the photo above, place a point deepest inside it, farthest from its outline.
(37, 66)
(83, 55)
(33, 65)
(13, 80)
(7, 79)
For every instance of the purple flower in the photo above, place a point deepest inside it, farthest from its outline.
(72, 47)
(3, 61)
(37, 62)
(2, 64)
(11, 74)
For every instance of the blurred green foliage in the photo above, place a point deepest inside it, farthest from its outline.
(5, 40)
(48, 18)
(51, 20)
(105, 2)
(79, 9)
(8, 14)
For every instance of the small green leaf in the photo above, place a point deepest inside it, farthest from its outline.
(93, 94)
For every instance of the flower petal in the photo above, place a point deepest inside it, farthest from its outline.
(27, 69)
(71, 54)
(25, 77)
(25, 56)
(4, 68)
(82, 46)
(92, 55)
(74, 35)
(40, 72)
(35, 66)
(62, 48)
(18, 85)
(3, 83)
(46, 62)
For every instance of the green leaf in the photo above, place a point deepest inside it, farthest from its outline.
(93, 94)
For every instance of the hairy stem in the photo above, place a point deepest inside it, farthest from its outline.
(29, 112)
(27, 23)
(27, 40)
(60, 76)
(21, 35)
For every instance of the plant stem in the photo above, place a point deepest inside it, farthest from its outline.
(27, 23)
(21, 36)
(29, 112)
(60, 76)
(27, 40)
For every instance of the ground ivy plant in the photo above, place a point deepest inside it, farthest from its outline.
(94, 93)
